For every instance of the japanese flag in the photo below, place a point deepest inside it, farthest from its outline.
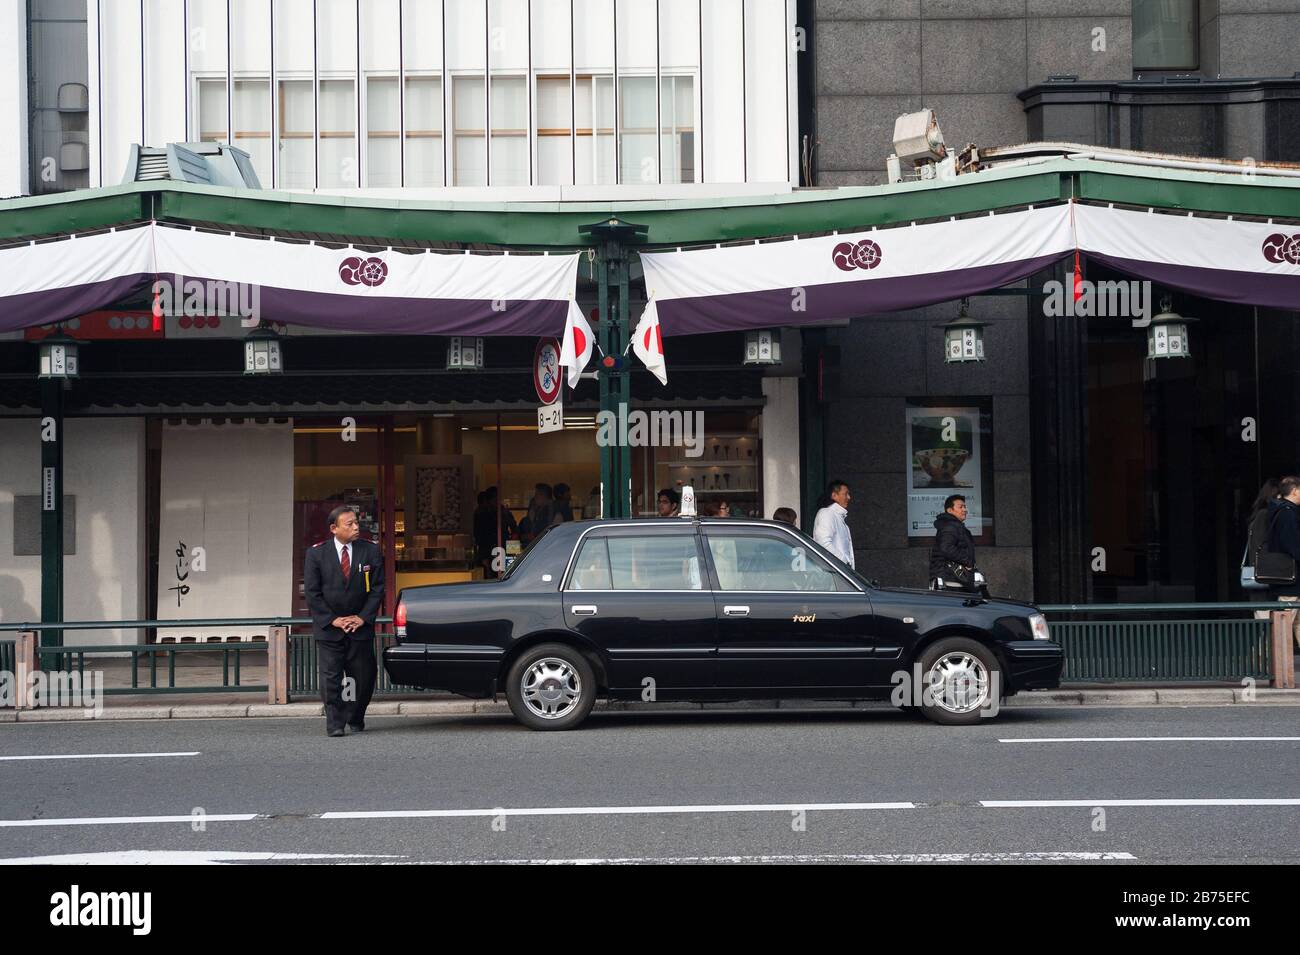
(575, 352)
(648, 342)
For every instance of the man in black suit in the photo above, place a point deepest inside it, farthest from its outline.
(344, 581)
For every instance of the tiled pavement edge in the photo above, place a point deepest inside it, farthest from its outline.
(1206, 696)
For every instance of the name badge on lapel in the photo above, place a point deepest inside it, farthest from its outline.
(366, 571)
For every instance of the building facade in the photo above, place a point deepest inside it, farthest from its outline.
(1113, 477)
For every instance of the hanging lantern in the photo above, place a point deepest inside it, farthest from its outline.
(1167, 335)
(58, 357)
(262, 353)
(465, 354)
(763, 347)
(963, 337)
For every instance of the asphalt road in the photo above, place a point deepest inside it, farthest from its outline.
(844, 785)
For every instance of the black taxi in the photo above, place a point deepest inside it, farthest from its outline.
(710, 609)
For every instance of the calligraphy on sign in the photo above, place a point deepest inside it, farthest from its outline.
(546, 370)
(182, 573)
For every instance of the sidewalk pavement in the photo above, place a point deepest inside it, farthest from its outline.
(227, 705)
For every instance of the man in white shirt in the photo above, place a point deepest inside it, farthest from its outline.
(831, 527)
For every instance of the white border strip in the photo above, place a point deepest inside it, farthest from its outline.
(616, 810)
(1088, 803)
(96, 756)
(1152, 739)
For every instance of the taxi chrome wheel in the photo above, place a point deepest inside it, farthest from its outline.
(551, 687)
(961, 678)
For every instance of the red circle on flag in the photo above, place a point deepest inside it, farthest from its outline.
(546, 370)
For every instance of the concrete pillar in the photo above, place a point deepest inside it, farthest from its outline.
(780, 435)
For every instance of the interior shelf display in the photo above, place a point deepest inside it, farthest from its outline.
(728, 469)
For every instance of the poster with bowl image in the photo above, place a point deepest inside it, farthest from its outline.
(948, 453)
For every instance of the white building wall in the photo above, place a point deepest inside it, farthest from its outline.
(780, 436)
(742, 118)
(104, 462)
(13, 98)
(229, 490)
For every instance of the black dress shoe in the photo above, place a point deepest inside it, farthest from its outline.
(337, 732)
(357, 727)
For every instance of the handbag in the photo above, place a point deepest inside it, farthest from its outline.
(961, 574)
(1271, 567)
(1248, 581)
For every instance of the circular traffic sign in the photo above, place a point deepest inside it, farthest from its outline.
(546, 370)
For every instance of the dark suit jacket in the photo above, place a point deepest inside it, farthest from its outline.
(329, 596)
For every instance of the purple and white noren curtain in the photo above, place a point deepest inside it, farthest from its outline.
(843, 276)
(386, 291)
(1253, 263)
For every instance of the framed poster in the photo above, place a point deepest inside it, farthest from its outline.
(949, 451)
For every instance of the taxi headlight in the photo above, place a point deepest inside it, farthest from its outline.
(1038, 626)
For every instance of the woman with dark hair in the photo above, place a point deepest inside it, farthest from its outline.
(1257, 535)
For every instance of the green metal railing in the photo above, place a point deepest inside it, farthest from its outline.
(303, 673)
(144, 665)
(1155, 649)
(1225, 643)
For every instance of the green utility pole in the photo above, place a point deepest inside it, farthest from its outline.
(613, 253)
(51, 509)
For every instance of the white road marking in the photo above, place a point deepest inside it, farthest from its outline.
(178, 857)
(614, 810)
(1152, 739)
(126, 820)
(1055, 803)
(888, 858)
(98, 756)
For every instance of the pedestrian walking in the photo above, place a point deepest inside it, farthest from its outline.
(1276, 565)
(952, 557)
(831, 526)
(1256, 538)
(343, 578)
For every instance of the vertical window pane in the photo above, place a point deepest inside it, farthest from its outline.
(422, 59)
(1164, 35)
(250, 52)
(677, 123)
(296, 125)
(509, 131)
(470, 162)
(637, 129)
(593, 59)
(295, 105)
(554, 144)
(679, 65)
(336, 33)
(211, 111)
(552, 56)
(383, 127)
(424, 131)
(208, 50)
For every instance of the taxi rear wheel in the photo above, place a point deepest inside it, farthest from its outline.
(961, 681)
(551, 687)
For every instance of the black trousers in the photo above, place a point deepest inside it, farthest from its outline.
(353, 657)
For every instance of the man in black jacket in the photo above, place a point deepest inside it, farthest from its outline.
(953, 544)
(1284, 538)
(343, 578)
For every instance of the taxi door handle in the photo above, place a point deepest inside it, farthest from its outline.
(735, 611)
(584, 610)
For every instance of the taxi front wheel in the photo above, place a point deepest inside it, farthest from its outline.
(961, 682)
(551, 687)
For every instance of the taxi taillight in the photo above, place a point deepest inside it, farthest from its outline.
(399, 620)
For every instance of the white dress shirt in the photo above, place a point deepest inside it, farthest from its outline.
(831, 530)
